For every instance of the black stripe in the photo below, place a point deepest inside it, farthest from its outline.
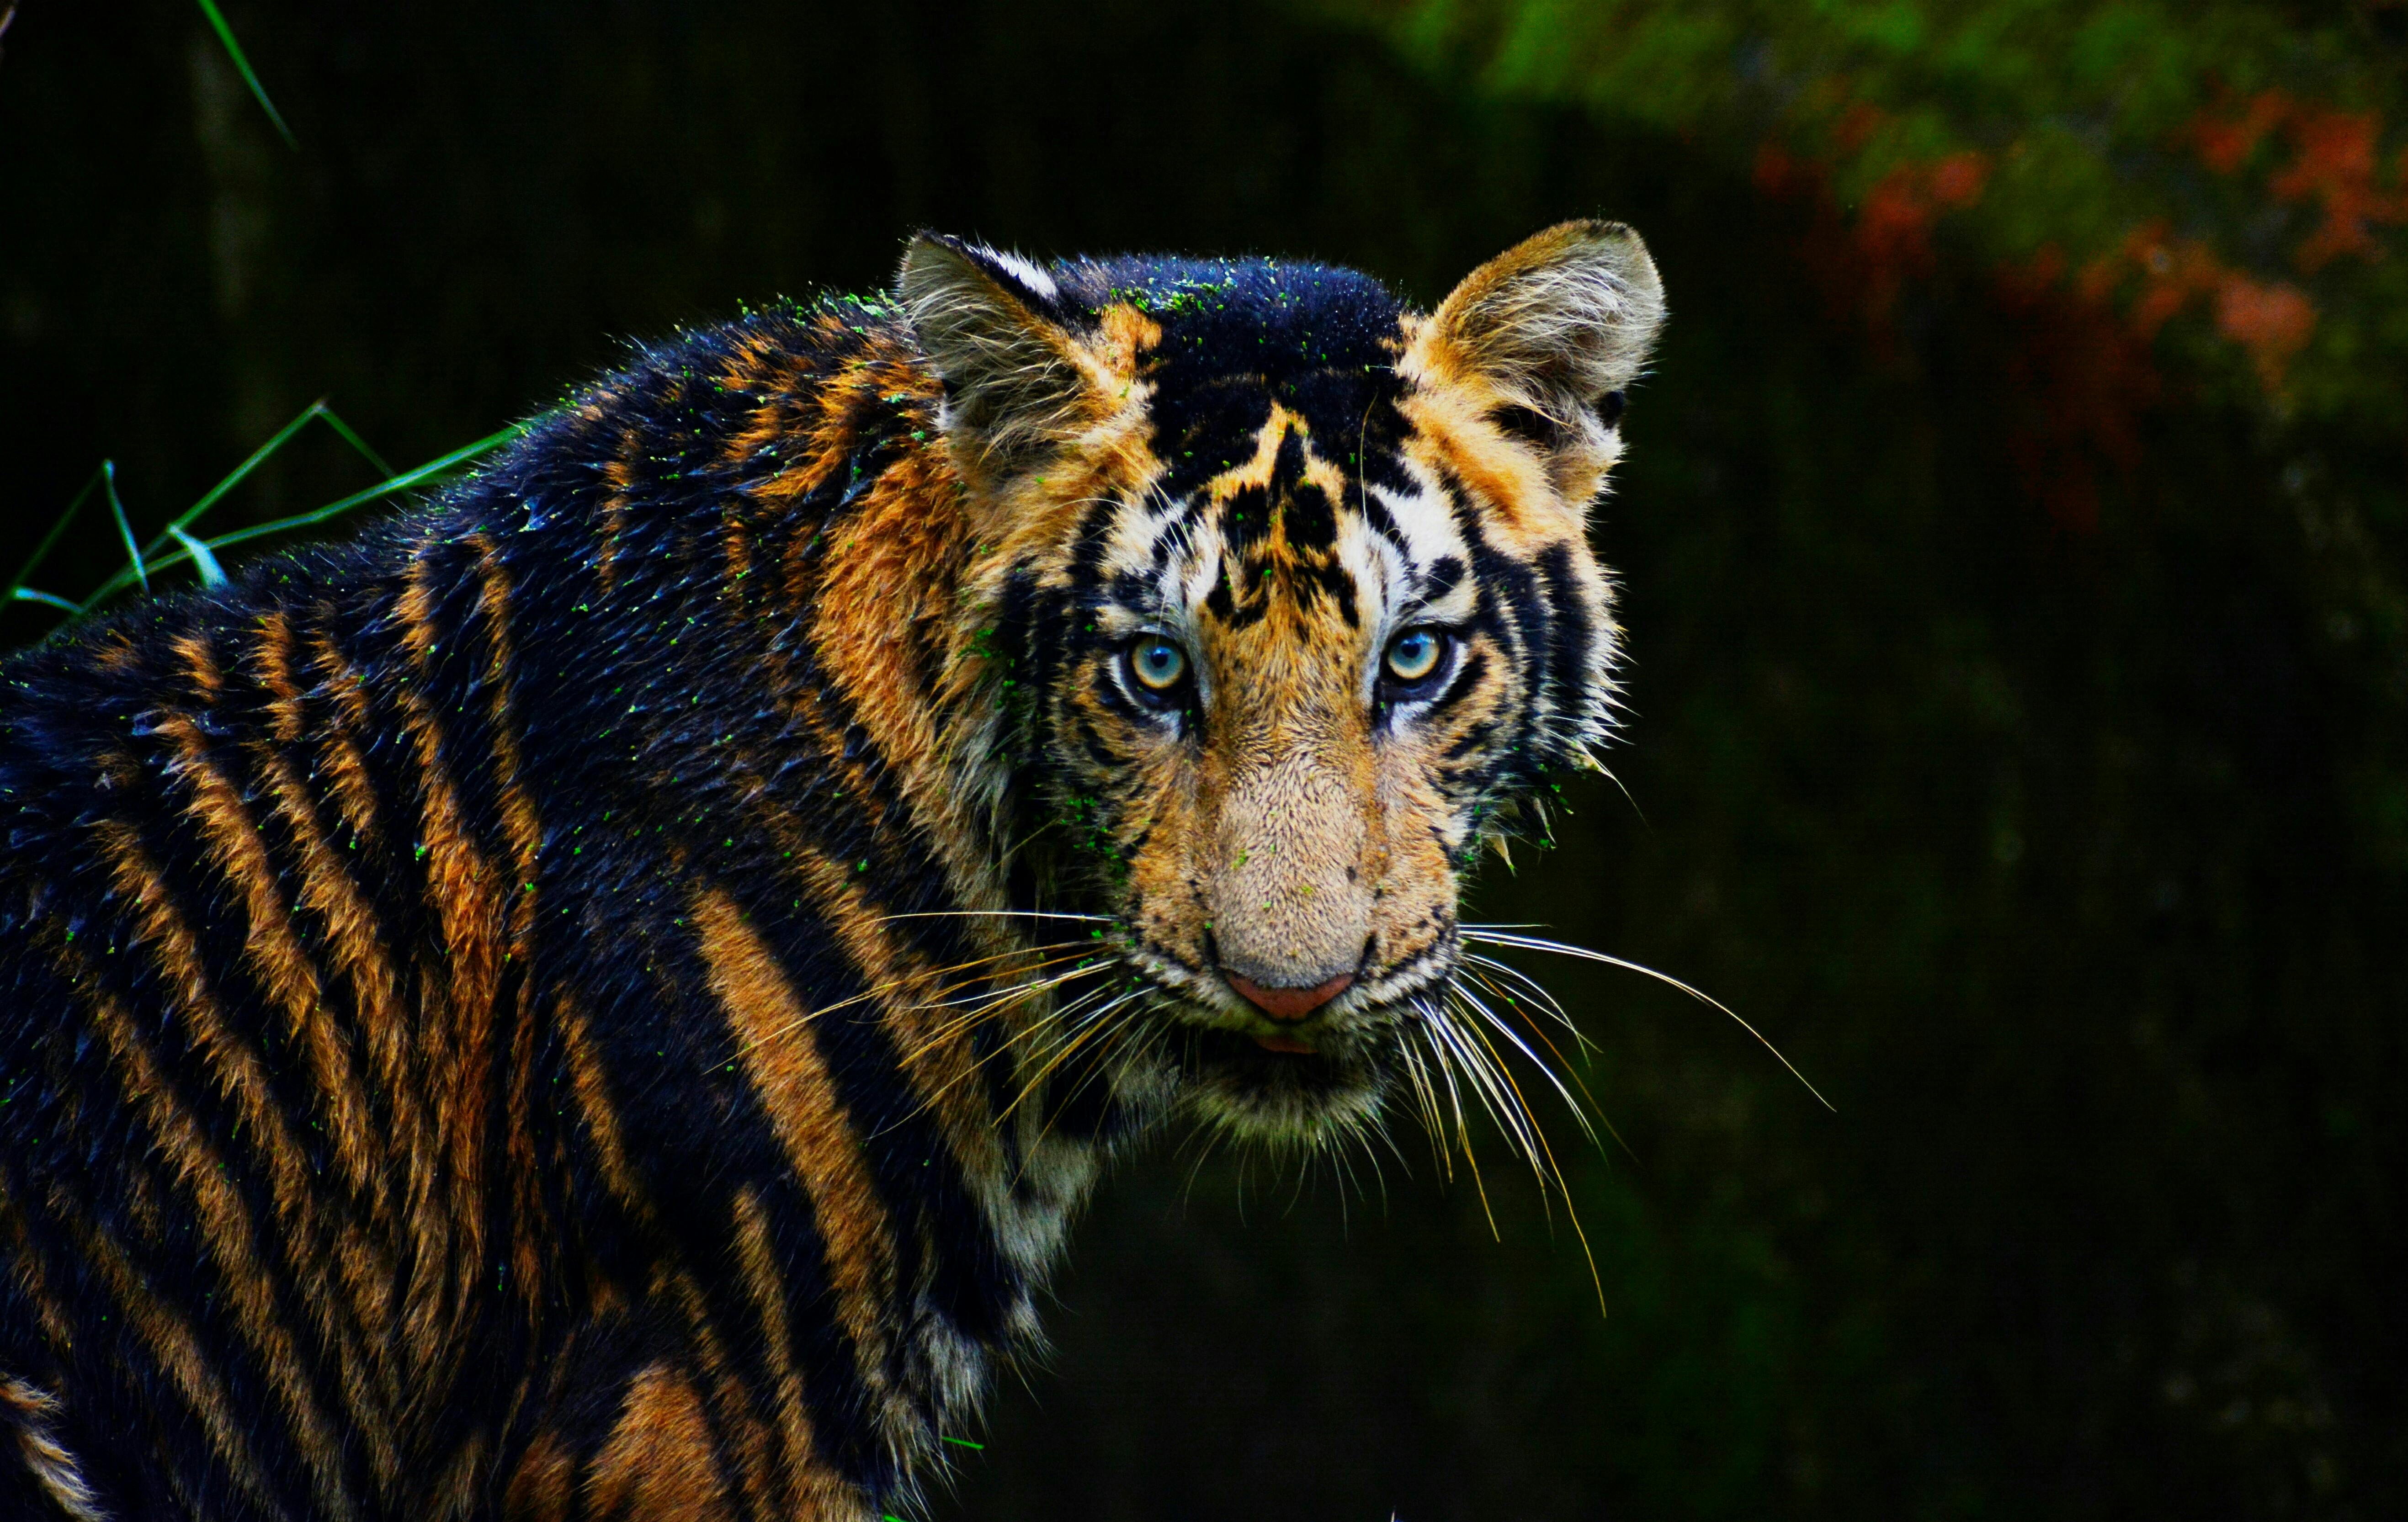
(915, 1174)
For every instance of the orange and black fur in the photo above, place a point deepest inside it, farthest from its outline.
(597, 1000)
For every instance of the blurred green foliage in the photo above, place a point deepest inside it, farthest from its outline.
(2019, 721)
(2240, 159)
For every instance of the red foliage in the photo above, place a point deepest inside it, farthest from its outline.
(1957, 179)
(2080, 375)
(2225, 144)
(2272, 319)
(1891, 237)
(2084, 378)
(1856, 126)
(1778, 173)
(2082, 365)
(2334, 163)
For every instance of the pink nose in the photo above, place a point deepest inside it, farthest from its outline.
(1290, 1004)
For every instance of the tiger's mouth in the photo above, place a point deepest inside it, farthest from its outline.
(1235, 1082)
(1234, 1067)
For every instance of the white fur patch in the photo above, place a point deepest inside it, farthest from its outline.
(60, 1475)
(1427, 523)
(1026, 271)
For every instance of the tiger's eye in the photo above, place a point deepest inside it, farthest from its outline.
(1156, 663)
(1414, 654)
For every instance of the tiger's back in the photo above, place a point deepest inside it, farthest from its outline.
(550, 1010)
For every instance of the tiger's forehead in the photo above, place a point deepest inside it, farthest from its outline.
(1230, 338)
(1317, 529)
(1282, 470)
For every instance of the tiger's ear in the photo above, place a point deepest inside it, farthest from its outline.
(1548, 334)
(1017, 380)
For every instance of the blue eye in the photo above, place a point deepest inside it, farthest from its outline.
(1157, 664)
(1414, 654)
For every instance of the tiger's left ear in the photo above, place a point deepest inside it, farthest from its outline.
(1544, 339)
(1018, 381)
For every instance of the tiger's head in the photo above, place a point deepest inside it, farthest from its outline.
(1282, 606)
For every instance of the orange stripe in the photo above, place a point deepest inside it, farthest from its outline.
(25, 1266)
(228, 1230)
(910, 531)
(782, 1057)
(456, 1037)
(620, 474)
(529, 1219)
(736, 574)
(542, 1488)
(235, 1067)
(356, 942)
(589, 1085)
(934, 1044)
(273, 656)
(764, 1276)
(363, 1257)
(51, 1465)
(346, 763)
(935, 1048)
(660, 1460)
(117, 652)
(456, 1488)
(284, 966)
(360, 949)
(182, 1356)
(201, 665)
(732, 1401)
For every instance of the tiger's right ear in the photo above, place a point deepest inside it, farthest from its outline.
(1544, 340)
(1017, 379)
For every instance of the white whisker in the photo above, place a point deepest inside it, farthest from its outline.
(1489, 935)
(1553, 1082)
(1492, 1086)
(1534, 990)
(1436, 1023)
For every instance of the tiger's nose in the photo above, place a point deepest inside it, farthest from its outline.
(1289, 1003)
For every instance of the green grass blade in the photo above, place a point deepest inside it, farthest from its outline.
(27, 594)
(239, 474)
(212, 573)
(42, 551)
(242, 65)
(354, 439)
(387, 488)
(125, 530)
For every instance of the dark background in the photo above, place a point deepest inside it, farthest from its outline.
(2058, 856)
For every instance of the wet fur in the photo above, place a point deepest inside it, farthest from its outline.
(549, 1011)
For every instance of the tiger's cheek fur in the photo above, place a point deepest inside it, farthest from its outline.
(1162, 903)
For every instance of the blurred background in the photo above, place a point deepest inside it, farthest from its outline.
(2017, 588)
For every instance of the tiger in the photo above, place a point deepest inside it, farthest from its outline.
(599, 997)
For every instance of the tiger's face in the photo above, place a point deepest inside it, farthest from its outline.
(1284, 607)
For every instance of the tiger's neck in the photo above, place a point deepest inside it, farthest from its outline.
(843, 574)
(771, 701)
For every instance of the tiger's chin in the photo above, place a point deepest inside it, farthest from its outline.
(1243, 1088)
